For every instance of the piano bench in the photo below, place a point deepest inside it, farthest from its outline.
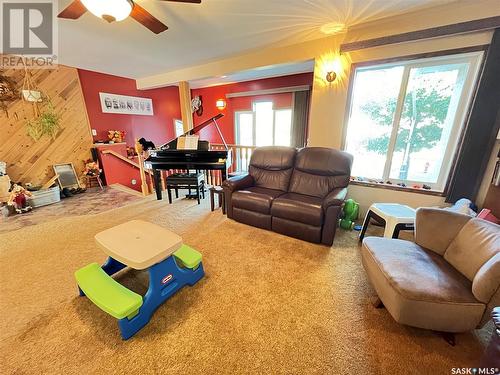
(190, 181)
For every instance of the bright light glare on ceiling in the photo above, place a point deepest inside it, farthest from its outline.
(331, 28)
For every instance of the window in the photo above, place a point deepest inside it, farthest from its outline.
(282, 127)
(178, 127)
(405, 118)
(264, 126)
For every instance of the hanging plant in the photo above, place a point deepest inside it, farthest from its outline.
(30, 92)
(47, 123)
(33, 96)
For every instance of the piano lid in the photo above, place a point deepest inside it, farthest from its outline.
(196, 129)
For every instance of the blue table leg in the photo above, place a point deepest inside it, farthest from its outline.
(165, 278)
(112, 266)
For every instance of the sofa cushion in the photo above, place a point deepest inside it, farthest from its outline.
(475, 244)
(295, 229)
(255, 219)
(435, 228)
(255, 198)
(271, 167)
(297, 207)
(487, 279)
(319, 170)
(418, 287)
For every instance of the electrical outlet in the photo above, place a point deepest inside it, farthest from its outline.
(94, 132)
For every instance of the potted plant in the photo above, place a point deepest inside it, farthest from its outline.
(47, 123)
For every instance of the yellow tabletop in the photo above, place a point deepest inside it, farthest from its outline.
(138, 244)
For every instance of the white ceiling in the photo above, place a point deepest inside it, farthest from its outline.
(200, 33)
(257, 73)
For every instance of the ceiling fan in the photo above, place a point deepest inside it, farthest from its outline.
(117, 10)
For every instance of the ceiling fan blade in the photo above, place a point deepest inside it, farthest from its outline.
(73, 11)
(185, 1)
(145, 18)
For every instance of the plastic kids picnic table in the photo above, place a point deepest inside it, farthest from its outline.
(140, 245)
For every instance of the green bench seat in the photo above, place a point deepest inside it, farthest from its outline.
(188, 256)
(109, 295)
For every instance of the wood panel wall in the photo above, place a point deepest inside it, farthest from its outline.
(30, 161)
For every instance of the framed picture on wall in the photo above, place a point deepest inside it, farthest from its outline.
(126, 105)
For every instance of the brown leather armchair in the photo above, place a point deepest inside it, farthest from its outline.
(296, 193)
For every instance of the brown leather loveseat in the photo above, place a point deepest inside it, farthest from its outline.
(298, 193)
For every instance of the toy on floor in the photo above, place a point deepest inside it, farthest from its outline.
(18, 199)
(139, 245)
(463, 206)
(351, 211)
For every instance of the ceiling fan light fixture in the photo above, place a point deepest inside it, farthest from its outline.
(110, 10)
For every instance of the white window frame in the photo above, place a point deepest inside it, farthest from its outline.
(474, 59)
(274, 123)
(254, 122)
(237, 126)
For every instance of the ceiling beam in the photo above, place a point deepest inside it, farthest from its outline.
(433, 32)
(280, 90)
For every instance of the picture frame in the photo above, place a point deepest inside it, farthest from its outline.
(67, 176)
(126, 105)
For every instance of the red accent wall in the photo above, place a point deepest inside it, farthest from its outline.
(116, 171)
(158, 128)
(211, 94)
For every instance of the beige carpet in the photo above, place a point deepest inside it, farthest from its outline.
(269, 304)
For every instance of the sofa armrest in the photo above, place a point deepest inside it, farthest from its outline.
(335, 198)
(435, 228)
(238, 182)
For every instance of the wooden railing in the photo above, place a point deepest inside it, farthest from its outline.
(240, 158)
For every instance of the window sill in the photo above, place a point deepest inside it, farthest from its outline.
(397, 188)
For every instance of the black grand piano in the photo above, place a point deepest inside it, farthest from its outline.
(168, 157)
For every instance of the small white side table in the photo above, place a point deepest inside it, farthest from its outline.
(396, 217)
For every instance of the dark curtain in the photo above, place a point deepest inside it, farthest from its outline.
(481, 130)
(300, 118)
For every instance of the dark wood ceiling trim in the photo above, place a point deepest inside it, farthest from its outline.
(434, 32)
(422, 55)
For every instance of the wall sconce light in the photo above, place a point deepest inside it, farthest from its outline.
(220, 104)
(331, 76)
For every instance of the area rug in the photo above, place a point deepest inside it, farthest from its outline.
(93, 201)
(269, 304)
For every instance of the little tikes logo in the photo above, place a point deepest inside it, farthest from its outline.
(166, 279)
